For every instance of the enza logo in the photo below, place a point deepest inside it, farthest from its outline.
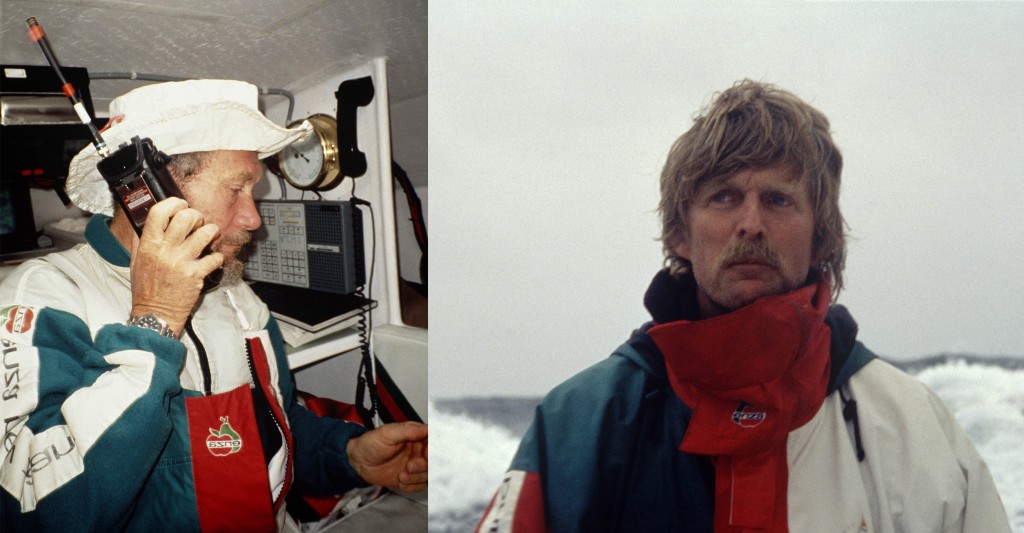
(225, 441)
(747, 416)
(16, 318)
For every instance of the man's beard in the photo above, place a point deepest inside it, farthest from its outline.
(233, 267)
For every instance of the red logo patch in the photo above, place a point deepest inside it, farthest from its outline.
(16, 318)
(224, 441)
(747, 416)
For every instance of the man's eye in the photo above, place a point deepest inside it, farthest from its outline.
(779, 200)
(721, 197)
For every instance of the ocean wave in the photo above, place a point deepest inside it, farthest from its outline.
(464, 476)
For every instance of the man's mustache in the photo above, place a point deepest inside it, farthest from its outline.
(241, 238)
(744, 251)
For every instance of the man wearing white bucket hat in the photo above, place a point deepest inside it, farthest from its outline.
(132, 399)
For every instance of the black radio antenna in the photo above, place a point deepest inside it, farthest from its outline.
(35, 32)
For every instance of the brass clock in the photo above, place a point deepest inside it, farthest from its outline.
(312, 162)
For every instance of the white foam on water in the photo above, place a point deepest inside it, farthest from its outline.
(467, 462)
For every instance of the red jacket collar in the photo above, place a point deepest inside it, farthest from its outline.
(751, 377)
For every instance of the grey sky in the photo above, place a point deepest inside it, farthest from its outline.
(549, 127)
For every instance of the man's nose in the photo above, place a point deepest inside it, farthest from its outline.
(248, 216)
(751, 222)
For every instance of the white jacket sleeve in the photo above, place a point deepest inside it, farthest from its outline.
(983, 510)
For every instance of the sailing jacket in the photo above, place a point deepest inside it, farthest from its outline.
(882, 453)
(110, 427)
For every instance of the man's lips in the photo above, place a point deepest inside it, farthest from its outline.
(233, 244)
(751, 262)
(229, 249)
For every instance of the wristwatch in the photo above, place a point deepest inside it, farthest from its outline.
(153, 322)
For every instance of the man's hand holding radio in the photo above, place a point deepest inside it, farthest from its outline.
(166, 268)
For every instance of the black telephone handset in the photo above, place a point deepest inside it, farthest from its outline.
(137, 175)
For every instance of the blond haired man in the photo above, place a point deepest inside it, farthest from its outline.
(747, 403)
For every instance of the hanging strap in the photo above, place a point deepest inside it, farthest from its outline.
(850, 414)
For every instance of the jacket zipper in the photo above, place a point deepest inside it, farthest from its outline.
(277, 423)
(204, 361)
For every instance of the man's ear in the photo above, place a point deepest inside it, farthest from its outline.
(682, 250)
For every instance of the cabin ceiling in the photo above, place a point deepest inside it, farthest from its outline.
(269, 43)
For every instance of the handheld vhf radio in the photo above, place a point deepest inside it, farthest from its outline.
(136, 173)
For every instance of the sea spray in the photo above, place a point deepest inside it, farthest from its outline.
(467, 461)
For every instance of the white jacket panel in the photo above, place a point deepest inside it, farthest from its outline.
(920, 474)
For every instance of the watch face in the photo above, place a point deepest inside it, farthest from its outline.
(303, 161)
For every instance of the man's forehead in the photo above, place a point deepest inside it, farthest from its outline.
(231, 165)
(781, 176)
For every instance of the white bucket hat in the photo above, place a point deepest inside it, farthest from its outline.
(180, 117)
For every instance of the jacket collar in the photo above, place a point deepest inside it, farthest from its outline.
(99, 236)
(670, 299)
(751, 376)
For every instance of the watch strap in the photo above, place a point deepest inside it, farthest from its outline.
(153, 322)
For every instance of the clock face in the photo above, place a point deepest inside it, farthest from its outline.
(312, 162)
(302, 162)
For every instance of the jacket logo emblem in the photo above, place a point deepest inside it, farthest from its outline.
(225, 441)
(16, 318)
(747, 416)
